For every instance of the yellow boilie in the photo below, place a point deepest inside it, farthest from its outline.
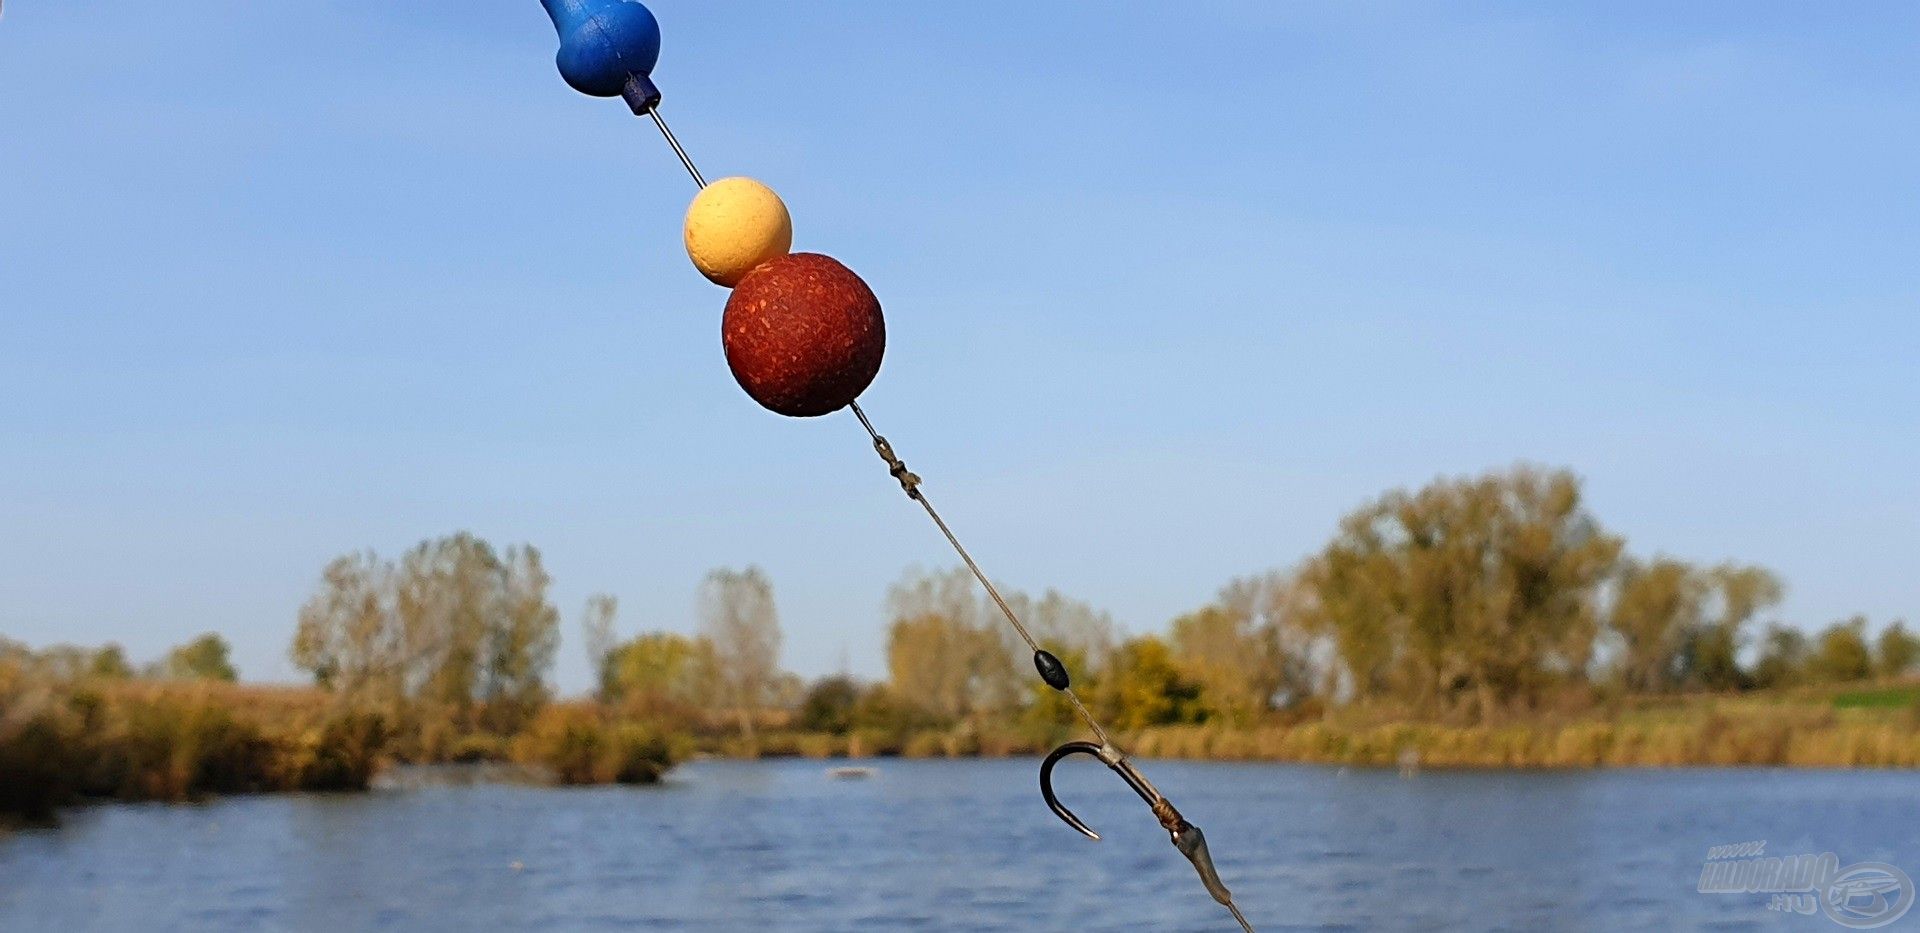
(734, 225)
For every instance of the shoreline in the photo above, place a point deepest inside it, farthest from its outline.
(86, 743)
(1588, 745)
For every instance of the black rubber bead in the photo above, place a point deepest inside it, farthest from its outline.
(1051, 670)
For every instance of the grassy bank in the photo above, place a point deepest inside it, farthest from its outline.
(1834, 728)
(70, 742)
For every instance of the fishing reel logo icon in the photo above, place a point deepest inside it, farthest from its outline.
(1868, 895)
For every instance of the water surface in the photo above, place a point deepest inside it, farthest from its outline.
(959, 845)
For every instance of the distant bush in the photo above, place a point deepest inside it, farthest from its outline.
(829, 705)
(583, 746)
(36, 763)
(342, 753)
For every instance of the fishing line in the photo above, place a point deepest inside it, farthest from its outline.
(608, 49)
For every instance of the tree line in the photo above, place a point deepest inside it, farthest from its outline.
(1469, 599)
(206, 657)
(1432, 620)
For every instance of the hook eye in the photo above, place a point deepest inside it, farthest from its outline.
(1046, 783)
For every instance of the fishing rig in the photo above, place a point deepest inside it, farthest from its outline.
(804, 336)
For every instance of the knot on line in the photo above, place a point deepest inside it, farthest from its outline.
(909, 483)
(1170, 819)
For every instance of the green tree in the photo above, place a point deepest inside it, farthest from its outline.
(204, 658)
(829, 705)
(1840, 654)
(110, 663)
(1783, 657)
(1896, 650)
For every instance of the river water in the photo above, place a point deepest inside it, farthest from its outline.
(960, 845)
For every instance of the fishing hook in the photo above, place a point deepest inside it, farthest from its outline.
(1186, 837)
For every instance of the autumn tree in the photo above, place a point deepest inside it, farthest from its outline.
(451, 626)
(1352, 609)
(1250, 648)
(1469, 593)
(1657, 605)
(452, 592)
(1081, 636)
(1144, 686)
(737, 617)
(522, 638)
(348, 637)
(64, 662)
(951, 669)
(946, 651)
(1736, 595)
(1060, 624)
(657, 674)
(660, 673)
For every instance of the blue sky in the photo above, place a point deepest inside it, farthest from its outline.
(1169, 289)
